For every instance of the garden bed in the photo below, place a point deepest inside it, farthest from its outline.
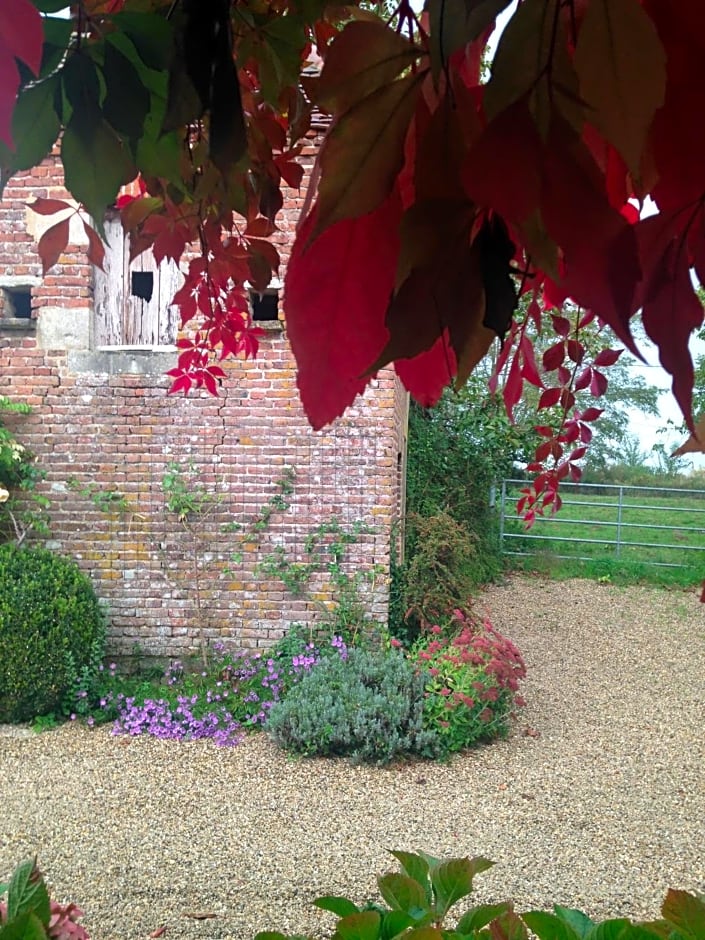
(595, 800)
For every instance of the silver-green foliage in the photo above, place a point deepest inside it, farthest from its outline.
(368, 706)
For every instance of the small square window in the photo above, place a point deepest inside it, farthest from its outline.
(142, 285)
(16, 302)
(265, 307)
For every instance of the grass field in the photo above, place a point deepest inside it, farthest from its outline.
(619, 534)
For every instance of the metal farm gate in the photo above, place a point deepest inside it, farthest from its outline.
(660, 526)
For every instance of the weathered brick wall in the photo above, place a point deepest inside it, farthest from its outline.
(103, 421)
(66, 285)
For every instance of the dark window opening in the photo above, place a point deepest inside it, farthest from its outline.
(17, 302)
(265, 306)
(142, 285)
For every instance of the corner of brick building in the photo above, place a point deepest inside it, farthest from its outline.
(105, 422)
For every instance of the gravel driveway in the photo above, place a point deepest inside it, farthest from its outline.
(596, 800)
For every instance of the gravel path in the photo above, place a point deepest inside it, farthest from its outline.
(597, 798)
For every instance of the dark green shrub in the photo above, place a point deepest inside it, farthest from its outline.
(368, 706)
(441, 572)
(52, 631)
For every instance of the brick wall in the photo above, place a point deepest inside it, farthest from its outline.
(104, 421)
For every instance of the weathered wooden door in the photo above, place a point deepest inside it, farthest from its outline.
(132, 301)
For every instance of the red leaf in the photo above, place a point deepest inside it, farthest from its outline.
(575, 473)
(22, 32)
(679, 141)
(563, 375)
(591, 414)
(426, 375)
(550, 397)
(440, 289)
(210, 383)
(567, 399)
(671, 308)
(585, 433)
(260, 227)
(513, 387)
(608, 357)
(364, 152)
(578, 453)
(182, 384)
(49, 206)
(576, 350)
(599, 247)
(544, 430)
(553, 357)
(529, 369)
(292, 172)
(96, 248)
(570, 433)
(502, 170)
(52, 243)
(561, 325)
(9, 86)
(598, 385)
(334, 342)
(583, 380)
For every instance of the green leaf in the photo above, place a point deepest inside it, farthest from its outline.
(35, 126)
(609, 929)
(81, 83)
(50, 6)
(27, 892)
(621, 66)
(394, 922)
(686, 912)
(364, 925)
(548, 926)
(127, 101)
(480, 916)
(364, 57)
(649, 931)
(364, 153)
(402, 893)
(26, 927)
(284, 37)
(532, 59)
(151, 35)
(455, 23)
(578, 922)
(452, 880)
(340, 906)
(57, 36)
(96, 163)
(416, 867)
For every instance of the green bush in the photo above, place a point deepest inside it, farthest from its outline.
(441, 573)
(367, 705)
(52, 631)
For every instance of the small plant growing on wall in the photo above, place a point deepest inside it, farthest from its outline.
(22, 509)
(325, 557)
